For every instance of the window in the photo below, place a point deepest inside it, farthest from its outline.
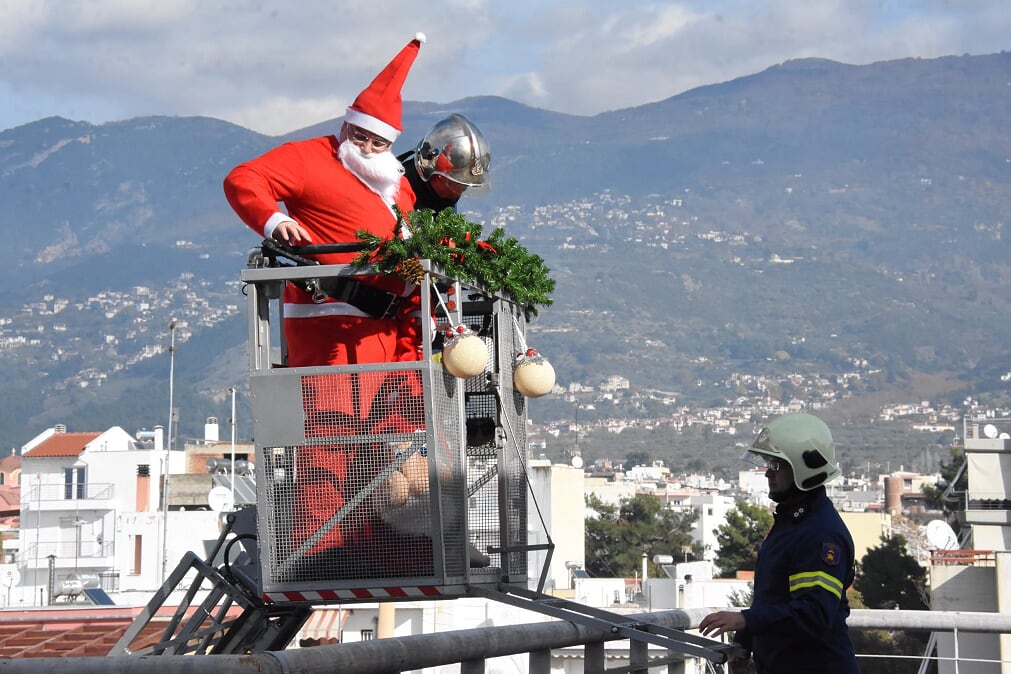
(138, 550)
(367, 635)
(74, 484)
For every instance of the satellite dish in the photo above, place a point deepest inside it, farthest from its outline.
(940, 535)
(220, 499)
(577, 462)
(1005, 436)
(990, 431)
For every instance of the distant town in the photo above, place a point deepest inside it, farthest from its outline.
(77, 343)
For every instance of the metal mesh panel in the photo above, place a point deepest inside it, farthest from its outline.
(391, 474)
(363, 453)
(447, 434)
(496, 439)
(513, 459)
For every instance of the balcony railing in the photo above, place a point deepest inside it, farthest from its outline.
(68, 553)
(963, 558)
(471, 649)
(87, 491)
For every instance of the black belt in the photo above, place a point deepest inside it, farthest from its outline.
(373, 301)
(369, 299)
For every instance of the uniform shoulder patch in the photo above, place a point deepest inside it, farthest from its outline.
(831, 554)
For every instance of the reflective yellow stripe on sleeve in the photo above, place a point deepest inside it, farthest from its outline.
(825, 581)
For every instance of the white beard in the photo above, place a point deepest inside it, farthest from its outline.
(380, 171)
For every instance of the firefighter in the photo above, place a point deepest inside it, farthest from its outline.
(797, 619)
(451, 161)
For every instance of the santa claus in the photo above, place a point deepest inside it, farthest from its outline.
(332, 187)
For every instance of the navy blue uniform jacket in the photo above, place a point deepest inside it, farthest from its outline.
(797, 619)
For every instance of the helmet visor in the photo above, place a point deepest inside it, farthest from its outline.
(762, 461)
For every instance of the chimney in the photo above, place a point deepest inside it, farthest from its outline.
(211, 430)
(143, 488)
(893, 494)
(59, 429)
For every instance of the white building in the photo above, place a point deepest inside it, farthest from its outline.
(92, 516)
(712, 512)
(754, 485)
(692, 585)
(979, 578)
(552, 487)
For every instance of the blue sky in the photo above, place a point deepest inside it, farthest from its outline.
(275, 66)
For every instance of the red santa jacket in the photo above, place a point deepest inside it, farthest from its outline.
(324, 197)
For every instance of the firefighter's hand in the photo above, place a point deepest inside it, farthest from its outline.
(720, 622)
(291, 233)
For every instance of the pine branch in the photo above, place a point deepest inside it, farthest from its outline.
(498, 263)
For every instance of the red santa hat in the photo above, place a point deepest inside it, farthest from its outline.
(378, 108)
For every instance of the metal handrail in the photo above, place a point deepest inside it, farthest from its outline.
(471, 647)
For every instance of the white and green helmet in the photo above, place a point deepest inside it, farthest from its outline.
(805, 442)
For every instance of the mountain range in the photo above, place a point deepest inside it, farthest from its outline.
(814, 217)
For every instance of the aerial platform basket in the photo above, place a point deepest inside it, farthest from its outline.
(387, 480)
(375, 482)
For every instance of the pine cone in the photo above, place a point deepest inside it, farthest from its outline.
(411, 271)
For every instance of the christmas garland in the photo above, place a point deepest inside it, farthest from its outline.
(498, 263)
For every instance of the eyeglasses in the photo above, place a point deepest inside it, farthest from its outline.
(360, 137)
(773, 465)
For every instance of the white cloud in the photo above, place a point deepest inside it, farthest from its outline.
(276, 66)
(526, 87)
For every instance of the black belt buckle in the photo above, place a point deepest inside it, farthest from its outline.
(373, 301)
(391, 308)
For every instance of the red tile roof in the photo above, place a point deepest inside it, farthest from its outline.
(62, 444)
(59, 632)
(81, 631)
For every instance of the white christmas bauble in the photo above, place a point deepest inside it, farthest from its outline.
(465, 355)
(534, 376)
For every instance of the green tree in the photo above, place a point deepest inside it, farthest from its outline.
(740, 537)
(889, 577)
(952, 476)
(742, 598)
(638, 458)
(617, 536)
